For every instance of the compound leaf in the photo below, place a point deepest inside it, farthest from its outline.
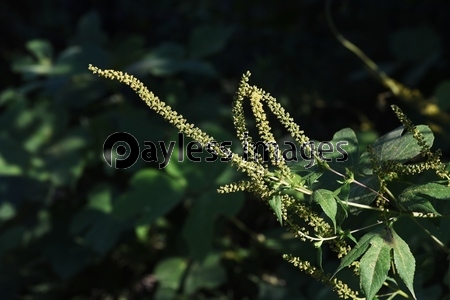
(357, 251)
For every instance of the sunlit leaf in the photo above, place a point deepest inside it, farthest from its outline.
(7, 211)
(399, 146)
(169, 271)
(41, 49)
(100, 198)
(417, 197)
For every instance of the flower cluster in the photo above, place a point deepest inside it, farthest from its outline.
(266, 180)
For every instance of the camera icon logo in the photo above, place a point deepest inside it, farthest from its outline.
(120, 161)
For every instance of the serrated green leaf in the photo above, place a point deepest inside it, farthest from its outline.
(344, 192)
(435, 190)
(325, 199)
(275, 204)
(374, 266)
(394, 146)
(404, 261)
(416, 198)
(342, 196)
(357, 251)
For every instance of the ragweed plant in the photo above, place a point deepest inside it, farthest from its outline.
(313, 199)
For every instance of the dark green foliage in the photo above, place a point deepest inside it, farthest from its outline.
(73, 228)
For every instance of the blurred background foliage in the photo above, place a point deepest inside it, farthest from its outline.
(71, 227)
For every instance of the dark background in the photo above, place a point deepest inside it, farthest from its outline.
(73, 228)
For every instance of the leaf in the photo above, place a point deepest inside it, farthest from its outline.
(325, 199)
(357, 251)
(414, 198)
(89, 30)
(374, 266)
(362, 195)
(169, 274)
(311, 178)
(344, 192)
(99, 198)
(275, 204)
(104, 233)
(346, 149)
(318, 245)
(41, 49)
(207, 274)
(151, 195)
(206, 40)
(200, 220)
(66, 257)
(197, 67)
(7, 211)
(198, 229)
(349, 235)
(167, 59)
(404, 261)
(394, 146)
(169, 271)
